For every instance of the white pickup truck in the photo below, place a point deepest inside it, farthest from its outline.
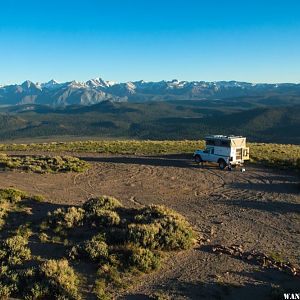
(227, 151)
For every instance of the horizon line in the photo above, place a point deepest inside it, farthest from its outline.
(154, 81)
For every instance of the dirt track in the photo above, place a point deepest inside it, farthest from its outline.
(259, 209)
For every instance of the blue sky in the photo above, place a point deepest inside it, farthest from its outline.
(123, 40)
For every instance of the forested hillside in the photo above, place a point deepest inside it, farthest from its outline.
(153, 120)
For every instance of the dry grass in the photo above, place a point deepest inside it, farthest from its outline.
(277, 155)
(43, 164)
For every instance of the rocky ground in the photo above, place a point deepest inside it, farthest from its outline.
(258, 210)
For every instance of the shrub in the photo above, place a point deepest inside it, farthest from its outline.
(175, 234)
(161, 228)
(24, 230)
(67, 164)
(43, 237)
(9, 198)
(10, 281)
(96, 248)
(53, 279)
(38, 198)
(14, 250)
(110, 272)
(106, 217)
(61, 280)
(151, 213)
(24, 283)
(61, 218)
(100, 290)
(145, 235)
(12, 195)
(6, 290)
(144, 259)
(37, 291)
(92, 205)
(3, 213)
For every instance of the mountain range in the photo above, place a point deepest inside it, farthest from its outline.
(97, 90)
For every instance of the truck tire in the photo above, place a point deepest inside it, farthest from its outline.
(222, 164)
(198, 159)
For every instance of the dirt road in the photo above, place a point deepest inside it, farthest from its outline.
(258, 209)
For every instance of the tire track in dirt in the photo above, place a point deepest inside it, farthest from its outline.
(257, 208)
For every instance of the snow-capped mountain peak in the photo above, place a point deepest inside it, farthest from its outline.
(27, 84)
(50, 84)
(76, 84)
(97, 82)
(53, 82)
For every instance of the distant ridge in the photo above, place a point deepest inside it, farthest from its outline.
(97, 90)
(155, 120)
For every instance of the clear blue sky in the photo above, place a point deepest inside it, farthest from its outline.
(123, 40)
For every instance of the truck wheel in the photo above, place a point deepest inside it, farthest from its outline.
(198, 159)
(222, 164)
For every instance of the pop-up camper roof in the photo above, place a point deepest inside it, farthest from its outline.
(224, 137)
(234, 141)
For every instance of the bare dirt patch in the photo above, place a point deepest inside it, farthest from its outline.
(258, 209)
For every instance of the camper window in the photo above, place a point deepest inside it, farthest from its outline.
(219, 143)
(225, 143)
(210, 142)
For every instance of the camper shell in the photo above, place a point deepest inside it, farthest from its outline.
(224, 150)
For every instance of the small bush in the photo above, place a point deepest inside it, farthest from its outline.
(43, 237)
(6, 290)
(101, 203)
(66, 219)
(161, 228)
(61, 280)
(145, 235)
(106, 217)
(12, 195)
(3, 213)
(176, 235)
(144, 259)
(9, 199)
(14, 250)
(111, 273)
(151, 213)
(37, 291)
(100, 291)
(24, 230)
(37, 198)
(53, 279)
(96, 248)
